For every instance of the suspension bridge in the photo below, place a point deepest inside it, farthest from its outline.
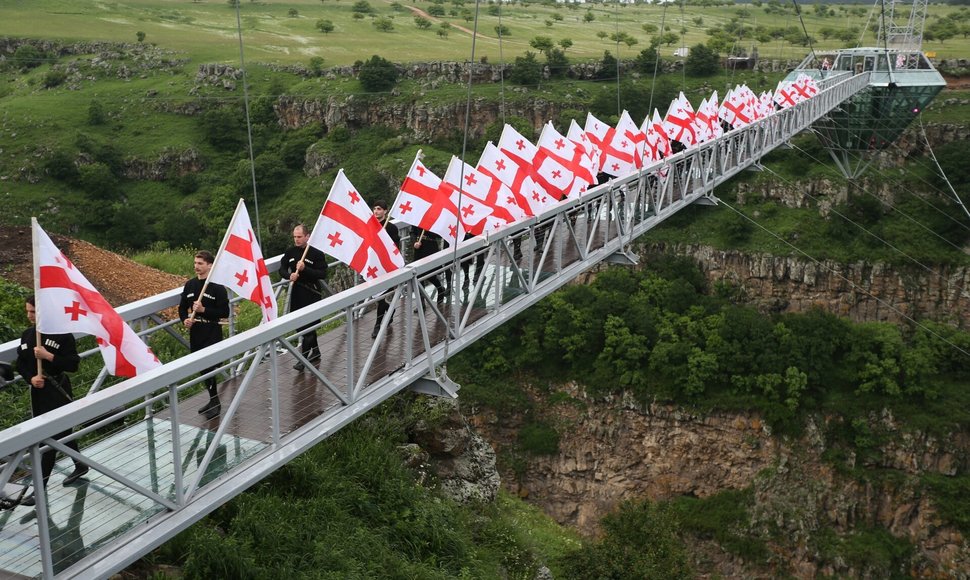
(157, 466)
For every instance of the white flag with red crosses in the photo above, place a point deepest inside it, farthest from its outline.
(482, 188)
(68, 304)
(424, 203)
(519, 177)
(348, 231)
(239, 265)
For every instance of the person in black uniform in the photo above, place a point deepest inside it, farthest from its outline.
(380, 212)
(306, 276)
(428, 243)
(51, 389)
(204, 328)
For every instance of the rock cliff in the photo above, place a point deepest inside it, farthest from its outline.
(859, 291)
(616, 449)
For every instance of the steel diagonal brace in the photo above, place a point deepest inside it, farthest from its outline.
(111, 473)
(315, 371)
(224, 423)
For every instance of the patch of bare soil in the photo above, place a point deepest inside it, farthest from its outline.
(119, 279)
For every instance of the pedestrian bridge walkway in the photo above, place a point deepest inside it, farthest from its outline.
(157, 466)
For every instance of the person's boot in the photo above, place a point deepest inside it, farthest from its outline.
(205, 408)
(213, 410)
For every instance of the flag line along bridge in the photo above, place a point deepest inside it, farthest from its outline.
(157, 466)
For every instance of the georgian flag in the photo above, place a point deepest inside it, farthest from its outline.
(347, 230)
(702, 125)
(559, 154)
(68, 304)
(612, 161)
(785, 96)
(547, 172)
(679, 122)
(592, 161)
(520, 179)
(480, 188)
(713, 122)
(766, 103)
(752, 101)
(735, 109)
(423, 203)
(657, 143)
(805, 86)
(239, 265)
(630, 139)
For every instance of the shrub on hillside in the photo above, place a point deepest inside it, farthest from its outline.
(377, 75)
(526, 70)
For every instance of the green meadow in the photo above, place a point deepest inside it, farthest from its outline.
(286, 32)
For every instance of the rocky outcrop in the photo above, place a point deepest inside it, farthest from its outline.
(427, 120)
(860, 291)
(168, 164)
(461, 460)
(616, 449)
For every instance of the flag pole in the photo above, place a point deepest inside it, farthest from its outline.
(35, 247)
(225, 240)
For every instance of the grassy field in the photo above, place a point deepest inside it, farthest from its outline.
(285, 32)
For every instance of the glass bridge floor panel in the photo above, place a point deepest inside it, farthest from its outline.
(86, 516)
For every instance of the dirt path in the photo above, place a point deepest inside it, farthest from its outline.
(418, 12)
(119, 279)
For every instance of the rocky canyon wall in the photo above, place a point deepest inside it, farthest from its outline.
(616, 449)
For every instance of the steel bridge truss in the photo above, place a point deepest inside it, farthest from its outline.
(157, 467)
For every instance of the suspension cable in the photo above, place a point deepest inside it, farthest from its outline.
(501, 59)
(891, 206)
(808, 39)
(656, 60)
(464, 151)
(940, 169)
(616, 28)
(249, 124)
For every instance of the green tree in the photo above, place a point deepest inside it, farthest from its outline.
(702, 61)
(325, 26)
(384, 24)
(362, 7)
(98, 181)
(541, 43)
(640, 540)
(557, 62)
(503, 30)
(292, 12)
(422, 22)
(436, 10)
(377, 75)
(526, 70)
(648, 60)
(589, 17)
(27, 57)
(565, 44)
(140, 36)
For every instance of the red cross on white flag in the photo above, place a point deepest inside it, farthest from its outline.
(614, 160)
(562, 164)
(68, 304)
(679, 122)
(518, 176)
(785, 95)
(348, 231)
(483, 188)
(424, 203)
(592, 163)
(239, 265)
(657, 143)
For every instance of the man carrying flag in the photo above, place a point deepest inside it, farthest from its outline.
(306, 269)
(50, 385)
(348, 231)
(201, 307)
(65, 303)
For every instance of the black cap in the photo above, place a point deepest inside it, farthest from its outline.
(381, 204)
